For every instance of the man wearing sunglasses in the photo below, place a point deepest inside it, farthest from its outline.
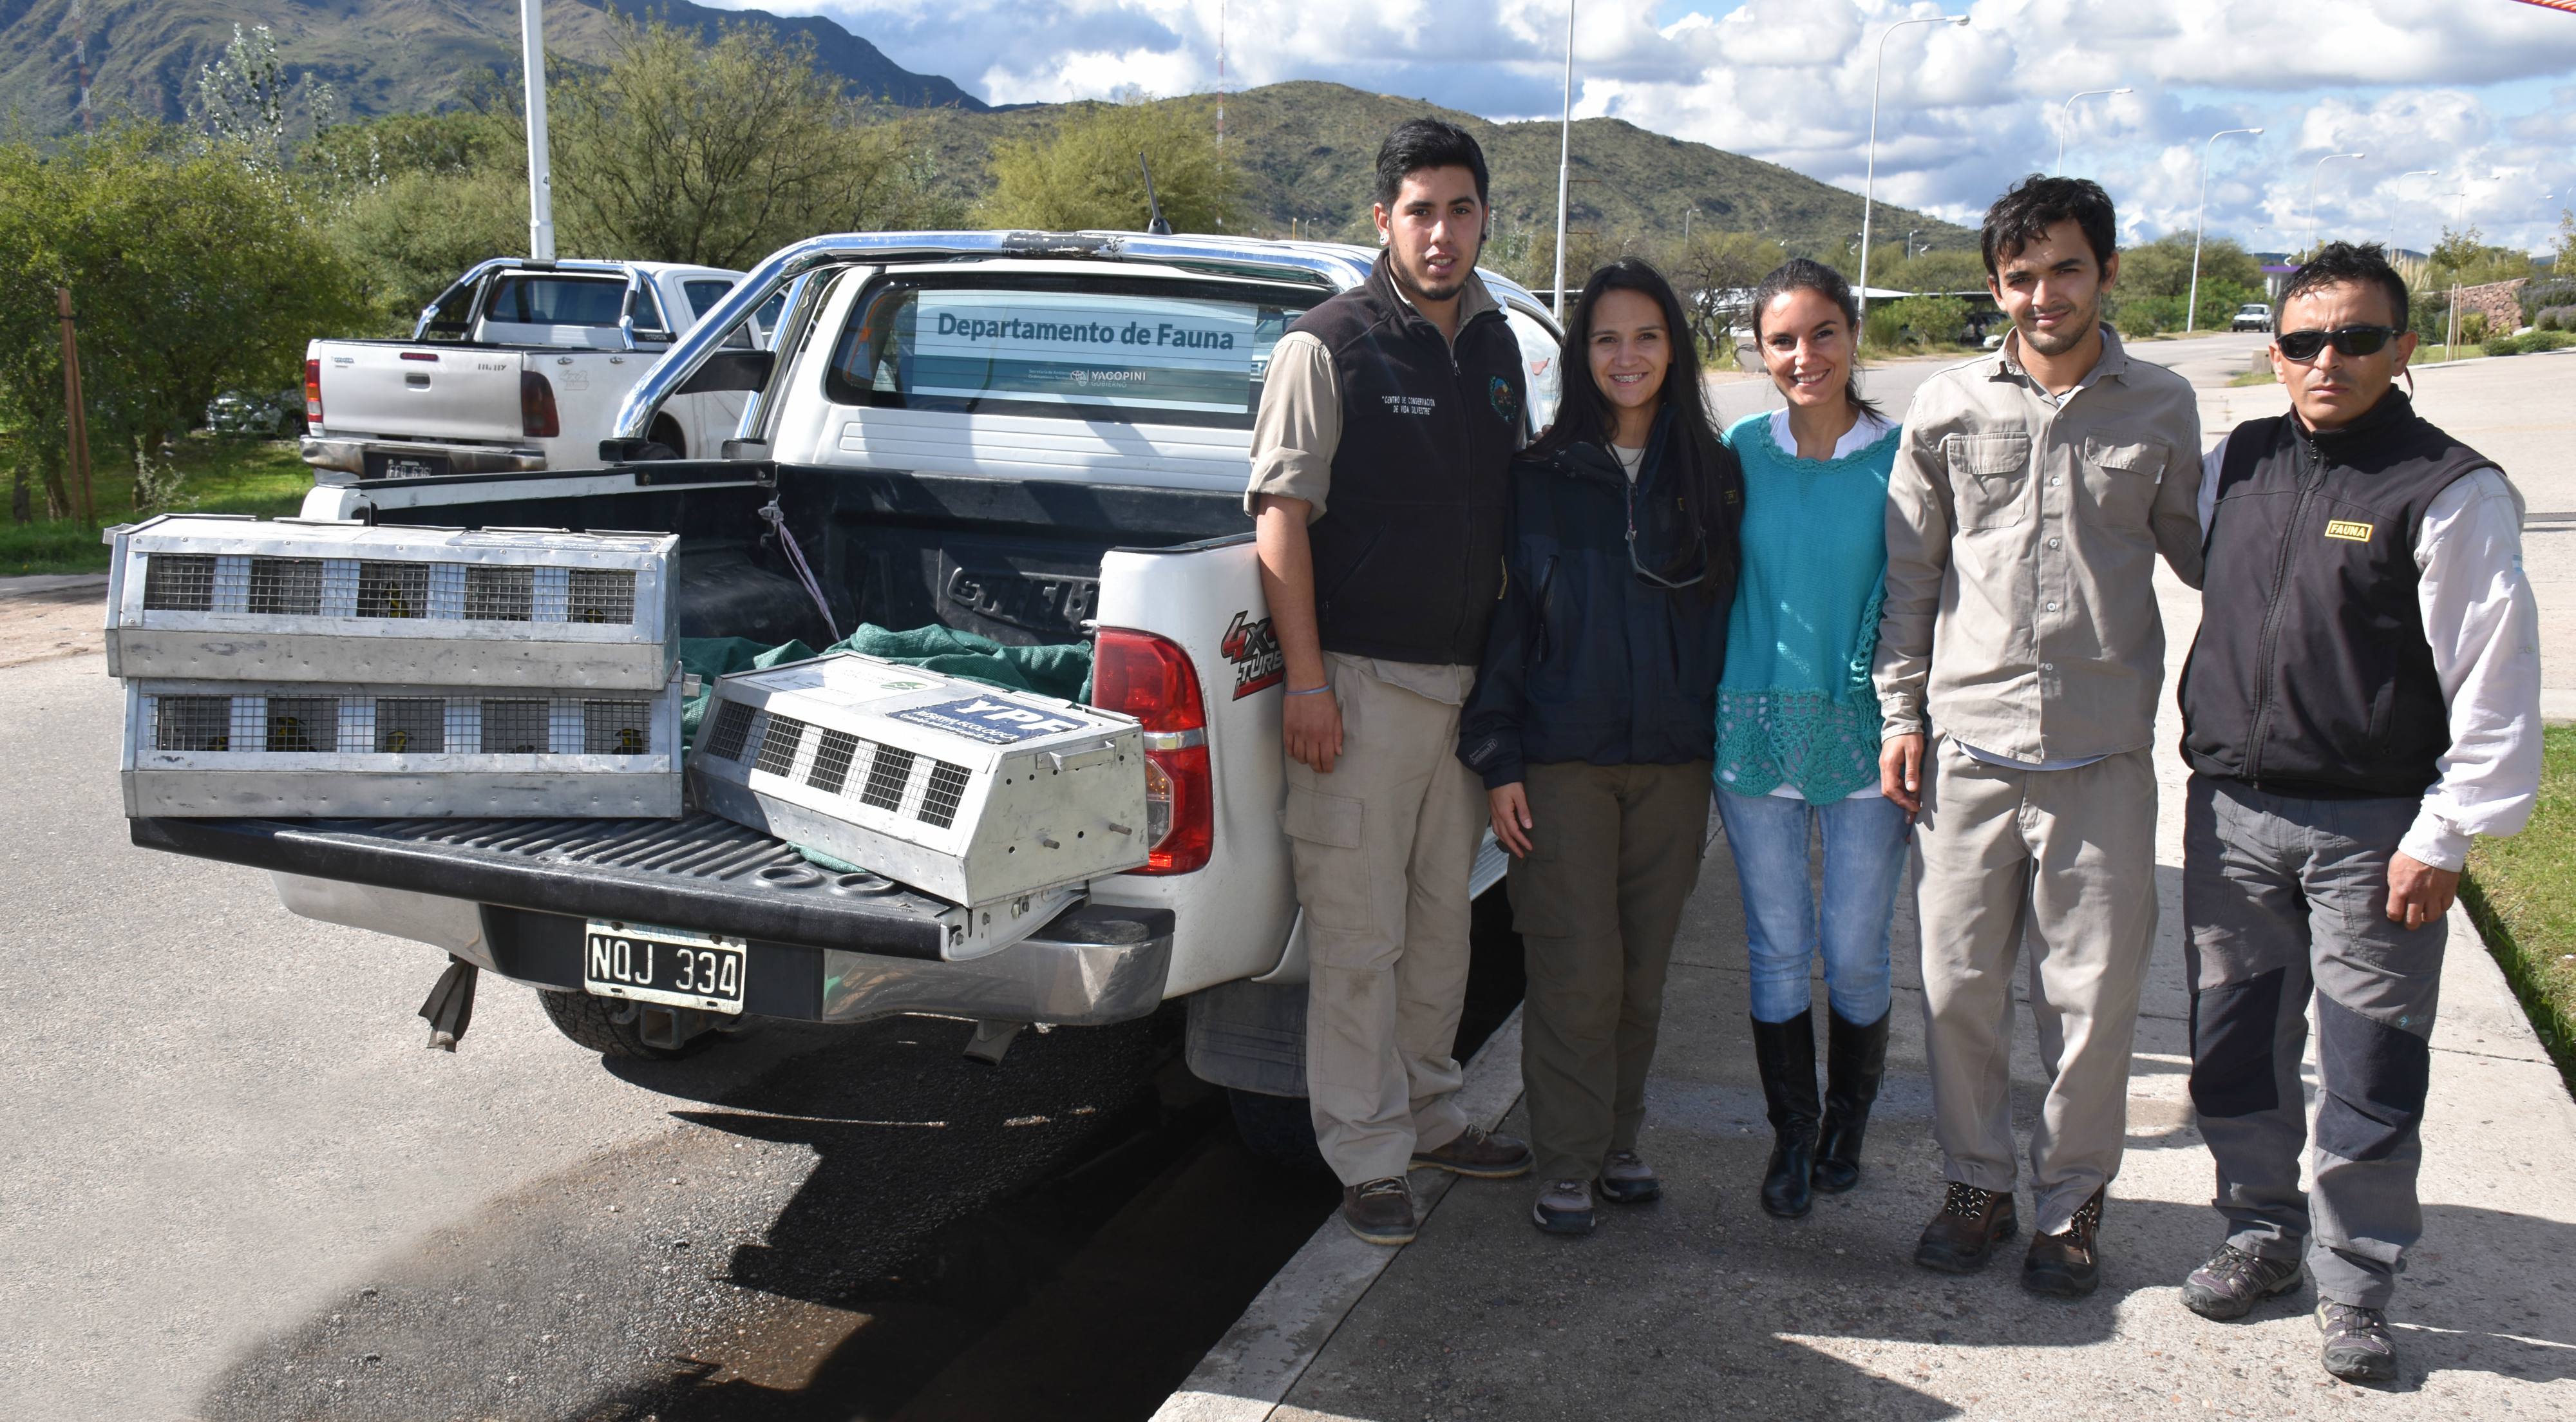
(2363, 697)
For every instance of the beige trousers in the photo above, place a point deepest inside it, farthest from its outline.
(1382, 848)
(2063, 862)
(1614, 853)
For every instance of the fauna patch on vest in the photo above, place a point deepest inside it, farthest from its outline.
(1506, 404)
(2348, 530)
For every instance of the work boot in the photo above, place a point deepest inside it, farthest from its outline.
(1963, 1236)
(1786, 1054)
(2233, 1281)
(1479, 1154)
(1564, 1207)
(2358, 1348)
(1626, 1180)
(1379, 1211)
(1855, 1059)
(2064, 1265)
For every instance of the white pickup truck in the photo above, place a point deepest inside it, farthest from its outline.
(1043, 438)
(519, 366)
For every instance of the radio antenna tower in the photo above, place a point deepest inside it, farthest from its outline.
(79, 18)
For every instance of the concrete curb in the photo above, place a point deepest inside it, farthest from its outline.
(1250, 1370)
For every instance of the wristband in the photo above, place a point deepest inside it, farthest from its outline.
(1311, 691)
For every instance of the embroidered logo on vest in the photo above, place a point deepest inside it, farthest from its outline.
(1500, 393)
(2348, 530)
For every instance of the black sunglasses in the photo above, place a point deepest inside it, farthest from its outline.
(2304, 346)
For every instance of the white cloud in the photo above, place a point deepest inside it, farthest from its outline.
(2413, 83)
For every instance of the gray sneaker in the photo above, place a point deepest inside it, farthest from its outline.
(1626, 1180)
(2233, 1281)
(1564, 1207)
(2358, 1346)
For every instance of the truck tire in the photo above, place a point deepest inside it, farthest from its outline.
(1278, 1129)
(591, 1022)
(669, 442)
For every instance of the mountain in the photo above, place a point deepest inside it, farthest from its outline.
(381, 56)
(1308, 149)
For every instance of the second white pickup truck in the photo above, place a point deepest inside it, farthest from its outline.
(516, 368)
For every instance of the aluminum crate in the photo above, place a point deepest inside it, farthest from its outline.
(974, 795)
(284, 749)
(213, 596)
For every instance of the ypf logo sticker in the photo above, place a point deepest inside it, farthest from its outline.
(989, 719)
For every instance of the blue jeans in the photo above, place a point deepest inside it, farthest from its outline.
(1865, 844)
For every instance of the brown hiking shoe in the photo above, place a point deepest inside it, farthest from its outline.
(2065, 1265)
(1480, 1154)
(1379, 1211)
(1963, 1236)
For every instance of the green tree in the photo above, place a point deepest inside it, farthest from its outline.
(2467, 259)
(1950, 270)
(2563, 261)
(1715, 273)
(1084, 175)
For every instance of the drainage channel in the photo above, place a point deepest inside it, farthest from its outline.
(1089, 1295)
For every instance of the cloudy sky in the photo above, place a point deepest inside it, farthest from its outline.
(2482, 90)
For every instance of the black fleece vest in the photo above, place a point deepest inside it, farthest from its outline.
(2311, 674)
(1409, 552)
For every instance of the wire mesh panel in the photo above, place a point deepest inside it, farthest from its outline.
(832, 759)
(945, 792)
(393, 590)
(410, 725)
(733, 728)
(888, 769)
(179, 582)
(600, 596)
(303, 724)
(617, 727)
(288, 586)
(514, 727)
(499, 593)
(193, 723)
(778, 745)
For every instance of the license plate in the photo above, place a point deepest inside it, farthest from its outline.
(672, 966)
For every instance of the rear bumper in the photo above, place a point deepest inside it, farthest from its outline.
(349, 456)
(514, 896)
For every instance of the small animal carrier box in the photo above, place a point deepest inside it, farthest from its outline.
(965, 792)
(226, 597)
(290, 749)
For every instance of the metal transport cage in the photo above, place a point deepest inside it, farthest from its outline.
(207, 748)
(293, 600)
(1003, 802)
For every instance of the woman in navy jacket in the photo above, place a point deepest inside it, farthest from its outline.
(1593, 720)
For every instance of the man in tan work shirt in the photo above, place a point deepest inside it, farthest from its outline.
(1380, 456)
(2021, 653)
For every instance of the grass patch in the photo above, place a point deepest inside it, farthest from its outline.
(2430, 354)
(2255, 377)
(219, 474)
(2521, 893)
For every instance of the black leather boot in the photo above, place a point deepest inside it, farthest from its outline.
(1786, 1054)
(1855, 1058)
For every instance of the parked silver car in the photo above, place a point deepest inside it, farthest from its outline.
(2252, 316)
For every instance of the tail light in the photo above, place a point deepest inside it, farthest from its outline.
(537, 418)
(1150, 678)
(313, 393)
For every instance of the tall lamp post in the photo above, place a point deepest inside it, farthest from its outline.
(2312, 194)
(1564, 160)
(2191, 313)
(2066, 119)
(1869, 183)
(2391, 248)
(541, 193)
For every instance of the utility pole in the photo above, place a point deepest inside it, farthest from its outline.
(1869, 182)
(79, 19)
(75, 416)
(541, 196)
(1564, 159)
(2199, 224)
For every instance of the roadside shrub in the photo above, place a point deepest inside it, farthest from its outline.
(2473, 327)
(1929, 320)
(2541, 295)
(2502, 346)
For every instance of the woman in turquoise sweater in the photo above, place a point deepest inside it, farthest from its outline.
(1798, 726)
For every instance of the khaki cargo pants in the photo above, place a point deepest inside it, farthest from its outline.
(1382, 847)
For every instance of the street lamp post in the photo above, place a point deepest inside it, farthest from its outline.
(2066, 120)
(2391, 248)
(1564, 160)
(2191, 313)
(2312, 194)
(1869, 183)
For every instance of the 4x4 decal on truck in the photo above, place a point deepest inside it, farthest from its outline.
(1254, 649)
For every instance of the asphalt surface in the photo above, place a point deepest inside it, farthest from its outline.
(237, 1185)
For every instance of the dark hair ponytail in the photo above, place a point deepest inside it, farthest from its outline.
(1801, 274)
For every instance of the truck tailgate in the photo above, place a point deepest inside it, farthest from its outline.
(430, 391)
(700, 872)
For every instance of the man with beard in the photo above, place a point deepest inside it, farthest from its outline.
(1380, 457)
(2019, 661)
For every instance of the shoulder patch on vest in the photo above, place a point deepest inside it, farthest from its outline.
(1505, 403)
(2348, 530)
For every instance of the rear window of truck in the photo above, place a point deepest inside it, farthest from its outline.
(532, 300)
(1133, 350)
